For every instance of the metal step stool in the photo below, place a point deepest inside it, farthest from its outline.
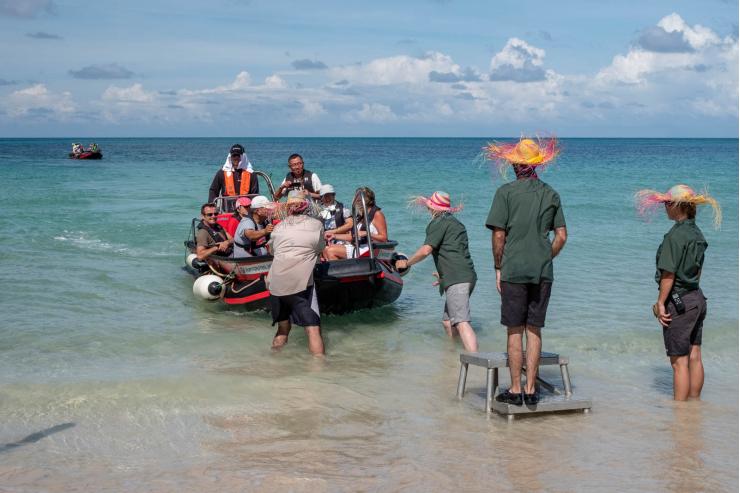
(493, 361)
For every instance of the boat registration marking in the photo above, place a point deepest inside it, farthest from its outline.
(253, 268)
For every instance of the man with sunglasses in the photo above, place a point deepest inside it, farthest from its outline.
(235, 177)
(210, 237)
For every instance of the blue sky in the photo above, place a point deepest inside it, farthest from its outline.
(331, 68)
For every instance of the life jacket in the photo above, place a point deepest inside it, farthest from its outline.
(246, 181)
(306, 181)
(361, 224)
(339, 215)
(217, 234)
(252, 245)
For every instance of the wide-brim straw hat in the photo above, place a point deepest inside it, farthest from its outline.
(438, 201)
(648, 200)
(526, 152)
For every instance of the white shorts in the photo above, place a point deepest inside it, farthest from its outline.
(350, 249)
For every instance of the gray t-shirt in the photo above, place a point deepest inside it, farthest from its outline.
(241, 242)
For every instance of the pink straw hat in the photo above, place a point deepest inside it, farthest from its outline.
(438, 201)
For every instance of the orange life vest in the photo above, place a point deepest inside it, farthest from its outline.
(243, 186)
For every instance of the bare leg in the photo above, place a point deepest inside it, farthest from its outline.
(681, 380)
(315, 341)
(534, 346)
(449, 329)
(696, 372)
(514, 348)
(467, 336)
(281, 336)
(334, 252)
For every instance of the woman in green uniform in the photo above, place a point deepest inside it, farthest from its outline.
(681, 306)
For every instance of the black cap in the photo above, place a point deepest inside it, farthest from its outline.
(236, 149)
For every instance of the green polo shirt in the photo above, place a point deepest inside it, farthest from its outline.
(682, 253)
(449, 241)
(527, 209)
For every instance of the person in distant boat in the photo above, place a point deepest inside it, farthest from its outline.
(77, 149)
(94, 147)
(681, 306)
(447, 241)
(235, 177)
(299, 178)
(522, 215)
(296, 244)
(241, 210)
(378, 230)
(253, 233)
(336, 217)
(210, 237)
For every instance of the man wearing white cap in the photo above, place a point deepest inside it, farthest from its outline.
(336, 217)
(253, 233)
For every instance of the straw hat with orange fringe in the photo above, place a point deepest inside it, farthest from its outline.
(648, 200)
(526, 152)
(437, 202)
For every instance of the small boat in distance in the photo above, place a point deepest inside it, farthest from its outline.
(86, 155)
(342, 286)
(79, 152)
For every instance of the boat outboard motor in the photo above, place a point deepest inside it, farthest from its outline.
(193, 262)
(400, 256)
(208, 287)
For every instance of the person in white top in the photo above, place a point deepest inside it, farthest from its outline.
(299, 178)
(378, 231)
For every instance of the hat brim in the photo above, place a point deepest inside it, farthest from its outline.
(427, 202)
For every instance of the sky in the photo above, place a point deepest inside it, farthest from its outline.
(440, 68)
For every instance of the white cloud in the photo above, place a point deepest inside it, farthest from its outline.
(133, 94)
(374, 113)
(400, 69)
(275, 82)
(698, 36)
(518, 61)
(38, 100)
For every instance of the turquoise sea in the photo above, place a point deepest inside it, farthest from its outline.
(114, 378)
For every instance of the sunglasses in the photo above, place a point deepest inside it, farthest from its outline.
(210, 214)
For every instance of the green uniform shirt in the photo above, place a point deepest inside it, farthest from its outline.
(682, 253)
(527, 209)
(449, 241)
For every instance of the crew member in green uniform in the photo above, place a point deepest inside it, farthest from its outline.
(447, 242)
(521, 217)
(681, 306)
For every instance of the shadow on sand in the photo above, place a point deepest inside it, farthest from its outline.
(35, 437)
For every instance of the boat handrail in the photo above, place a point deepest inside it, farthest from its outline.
(360, 193)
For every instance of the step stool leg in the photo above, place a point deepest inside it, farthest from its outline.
(510, 418)
(495, 382)
(566, 380)
(461, 380)
(489, 390)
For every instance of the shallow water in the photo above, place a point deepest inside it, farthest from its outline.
(113, 378)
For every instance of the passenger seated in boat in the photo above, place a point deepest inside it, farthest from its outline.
(336, 217)
(94, 147)
(378, 231)
(210, 237)
(254, 230)
(241, 210)
(77, 148)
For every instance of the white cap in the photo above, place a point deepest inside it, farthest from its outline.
(260, 201)
(326, 189)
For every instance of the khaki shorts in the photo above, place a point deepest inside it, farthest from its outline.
(457, 303)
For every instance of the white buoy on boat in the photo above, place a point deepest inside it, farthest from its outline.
(208, 287)
(189, 260)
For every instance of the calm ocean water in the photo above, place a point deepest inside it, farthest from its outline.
(114, 378)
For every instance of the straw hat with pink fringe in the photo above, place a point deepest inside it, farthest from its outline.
(437, 202)
(648, 200)
(526, 152)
